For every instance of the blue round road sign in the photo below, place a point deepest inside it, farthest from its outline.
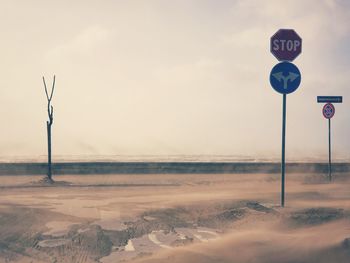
(328, 110)
(285, 77)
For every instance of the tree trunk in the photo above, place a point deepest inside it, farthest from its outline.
(49, 170)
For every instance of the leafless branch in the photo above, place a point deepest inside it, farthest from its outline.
(53, 86)
(47, 95)
(49, 98)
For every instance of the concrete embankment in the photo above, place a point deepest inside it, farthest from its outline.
(167, 167)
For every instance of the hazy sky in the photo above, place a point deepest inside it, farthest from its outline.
(170, 77)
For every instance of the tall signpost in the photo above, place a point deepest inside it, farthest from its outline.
(328, 112)
(285, 78)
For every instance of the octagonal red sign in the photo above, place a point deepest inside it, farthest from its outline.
(285, 45)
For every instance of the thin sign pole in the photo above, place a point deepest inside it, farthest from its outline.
(283, 149)
(329, 151)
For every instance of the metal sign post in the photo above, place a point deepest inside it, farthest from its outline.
(285, 78)
(328, 112)
(329, 151)
(283, 159)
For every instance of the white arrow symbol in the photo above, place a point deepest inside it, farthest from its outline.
(291, 76)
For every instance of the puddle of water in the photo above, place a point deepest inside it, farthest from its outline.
(210, 234)
(153, 237)
(158, 240)
(149, 218)
(53, 242)
(200, 234)
(82, 230)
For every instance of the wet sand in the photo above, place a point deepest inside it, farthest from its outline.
(175, 218)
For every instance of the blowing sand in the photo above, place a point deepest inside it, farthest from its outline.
(175, 218)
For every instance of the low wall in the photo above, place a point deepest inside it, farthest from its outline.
(166, 167)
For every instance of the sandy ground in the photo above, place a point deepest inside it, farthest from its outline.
(175, 218)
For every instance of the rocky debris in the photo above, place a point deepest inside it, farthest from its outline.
(120, 237)
(87, 242)
(21, 227)
(21, 234)
(315, 216)
(93, 240)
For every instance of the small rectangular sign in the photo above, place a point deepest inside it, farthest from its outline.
(329, 99)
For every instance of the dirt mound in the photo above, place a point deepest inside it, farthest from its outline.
(259, 207)
(221, 219)
(45, 181)
(315, 216)
(212, 215)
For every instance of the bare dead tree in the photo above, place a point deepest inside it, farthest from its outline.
(48, 125)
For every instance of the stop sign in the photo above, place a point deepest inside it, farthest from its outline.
(285, 45)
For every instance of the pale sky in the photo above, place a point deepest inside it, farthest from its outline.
(170, 77)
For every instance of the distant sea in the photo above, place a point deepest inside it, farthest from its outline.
(165, 158)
